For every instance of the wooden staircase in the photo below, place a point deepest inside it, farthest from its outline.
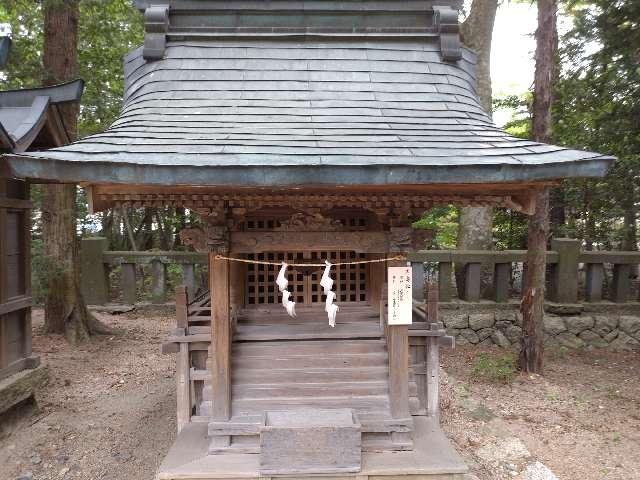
(280, 363)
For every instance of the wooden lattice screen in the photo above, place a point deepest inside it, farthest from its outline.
(350, 281)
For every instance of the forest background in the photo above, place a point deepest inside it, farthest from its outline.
(596, 107)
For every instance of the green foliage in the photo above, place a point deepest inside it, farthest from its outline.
(495, 368)
(444, 221)
(107, 30)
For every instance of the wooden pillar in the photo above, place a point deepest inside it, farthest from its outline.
(183, 363)
(433, 375)
(532, 306)
(398, 350)
(220, 353)
(376, 279)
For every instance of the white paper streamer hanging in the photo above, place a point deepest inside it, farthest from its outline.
(326, 282)
(282, 283)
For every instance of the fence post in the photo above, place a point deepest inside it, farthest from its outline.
(472, 281)
(501, 278)
(565, 273)
(95, 284)
(158, 281)
(593, 286)
(444, 281)
(621, 283)
(189, 278)
(417, 279)
(128, 283)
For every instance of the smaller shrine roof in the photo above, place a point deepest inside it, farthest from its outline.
(28, 116)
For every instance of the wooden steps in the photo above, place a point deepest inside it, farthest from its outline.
(279, 363)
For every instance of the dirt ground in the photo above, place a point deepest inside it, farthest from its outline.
(581, 419)
(108, 411)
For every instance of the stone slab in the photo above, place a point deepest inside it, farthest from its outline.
(433, 458)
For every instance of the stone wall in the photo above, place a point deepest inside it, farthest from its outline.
(618, 332)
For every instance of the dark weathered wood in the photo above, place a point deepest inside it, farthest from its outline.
(398, 346)
(182, 313)
(501, 281)
(361, 242)
(432, 314)
(621, 283)
(311, 441)
(532, 306)
(593, 285)
(221, 337)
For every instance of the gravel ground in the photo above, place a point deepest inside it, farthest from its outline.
(108, 411)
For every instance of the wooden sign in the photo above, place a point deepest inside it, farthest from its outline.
(399, 296)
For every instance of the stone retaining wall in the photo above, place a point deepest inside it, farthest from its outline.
(504, 328)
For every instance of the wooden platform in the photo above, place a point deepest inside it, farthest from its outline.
(433, 458)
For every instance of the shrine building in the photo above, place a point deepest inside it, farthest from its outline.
(305, 132)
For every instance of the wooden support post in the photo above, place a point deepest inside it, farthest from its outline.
(532, 306)
(221, 337)
(433, 373)
(472, 282)
(183, 387)
(189, 278)
(621, 283)
(94, 284)
(376, 279)
(158, 282)
(593, 286)
(398, 347)
(565, 273)
(128, 283)
(444, 281)
(417, 279)
(501, 280)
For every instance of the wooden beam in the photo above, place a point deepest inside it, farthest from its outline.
(221, 337)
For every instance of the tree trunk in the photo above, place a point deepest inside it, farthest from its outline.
(475, 224)
(532, 307)
(65, 310)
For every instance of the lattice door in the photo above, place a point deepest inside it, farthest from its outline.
(350, 281)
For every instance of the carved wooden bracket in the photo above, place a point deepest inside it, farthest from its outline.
(407, 239)
(215, 238)
(448, 27)
(156, 26)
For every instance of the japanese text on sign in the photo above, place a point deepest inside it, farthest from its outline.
(399, 296)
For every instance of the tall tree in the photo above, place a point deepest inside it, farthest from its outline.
(65, 310)
(532, 307)
(475, 223)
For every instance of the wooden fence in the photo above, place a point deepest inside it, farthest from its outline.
(608, 275)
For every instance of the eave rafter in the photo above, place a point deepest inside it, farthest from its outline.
(209, 203)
